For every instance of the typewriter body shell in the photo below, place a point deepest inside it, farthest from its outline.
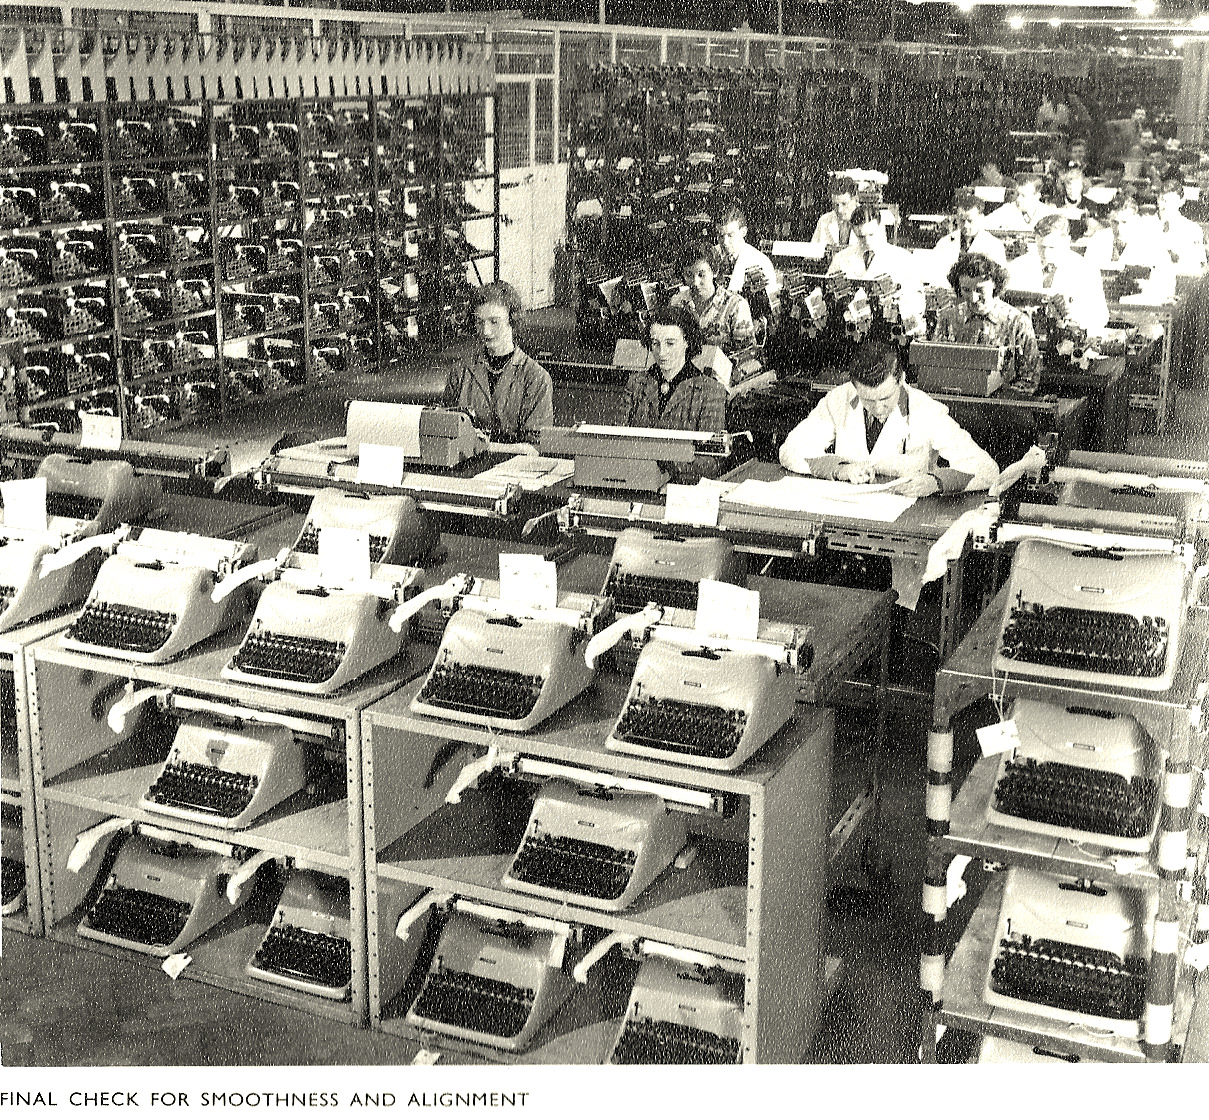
(171, 574)
(316, 903)
(1169, 513)
(662, 567)
(1094, 743)
(547, 650)
(262, 758)
(970, 370)
(512, 956)
(107, 493)
(399, 531)
(191, 881)
(625, 459)
(447, 436)
(1042, 907)
(681, 1015)
(756, 693)
(352, 620)
(1139, 586)
(638, 827)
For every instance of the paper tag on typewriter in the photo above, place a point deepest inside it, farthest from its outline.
(528, 581)
(998, 738)
(99, 431)
(691, 505)
(24, 503)
(727, 611)
(343, 554)
(380, 466)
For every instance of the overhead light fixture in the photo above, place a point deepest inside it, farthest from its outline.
(1201, 23)
(1016, 23)
(1145, 8)
(966, 6)
(1178, 41)
(1055, 22)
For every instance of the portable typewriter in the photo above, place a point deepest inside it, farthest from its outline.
(163, 892)
(508, 666)
(660, 566)
(47, 570)
(954, 367)
(399, 531)
(315, 633)
(1092, 615)
(686, 1008)
(308, 944)
(496, 976)
(1073, 950)
(1089, 776)
(12, 860)
(628, 458)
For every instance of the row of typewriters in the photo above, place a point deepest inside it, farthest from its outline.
(1105, 573)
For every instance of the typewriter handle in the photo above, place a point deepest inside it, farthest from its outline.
(70, 553)
(247, 574)
(87, 841)
(460, 584)
(599, 950)
(475, 769)
(686, 956)
(615, 631)
(244, 873)
(409, 917)
(129, 701)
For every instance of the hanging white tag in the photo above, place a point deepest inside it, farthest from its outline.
(99, 431)
(343, 554)
(380, 466)
(24, 503)
(691, 505)
(997, 738)
(727, 611)
(528, 581)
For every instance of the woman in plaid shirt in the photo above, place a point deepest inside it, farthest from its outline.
(723, 316)
(675, 393)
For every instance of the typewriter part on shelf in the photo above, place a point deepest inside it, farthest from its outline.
(1072, 950)
(999, 1051)
(12, 860)
(628, 458)
(1095, 616)
(660, 566)
(1088, 776)
(399, 531)
(152, 600)
(953, 367)
(445, 436)
(510, 667)
(1153, 466)
(308, 944)
(22, 445)
(685, 1008)
(315, 634)
(163, 892)
(495, 978)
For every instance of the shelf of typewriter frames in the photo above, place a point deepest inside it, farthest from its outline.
(749, 895)
(1124, 864)
(286, 826)
(586, 172)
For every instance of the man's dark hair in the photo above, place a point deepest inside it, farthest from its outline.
(842, 184)
(978, 266)
(680, 317)
(732, 214)
(873, 362)
(864, 214)
(964, 198)
(1052, 223)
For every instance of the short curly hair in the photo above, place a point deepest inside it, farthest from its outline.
(502, 293)
(699, 251)
(683, 318)
(978, 266)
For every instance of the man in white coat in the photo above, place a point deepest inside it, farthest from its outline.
(969, 236)
(870, 255)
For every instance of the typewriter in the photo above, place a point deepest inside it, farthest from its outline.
(163, 892)
(151, 600)
(507, 666)
(1089, 776)
(706, 701)
(308, 944)
(399, 531)
(47, 570)
(662, 567)
(446, 436)
(628, 458)
(593, 846)
(1094, 616)
(12, 860)
(684, 1009)
(1073, 950)
(227, 771)
(954, 367)
(315, 633)
(496, 976)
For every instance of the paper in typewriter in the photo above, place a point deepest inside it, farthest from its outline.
(823, 496)
(529, 472)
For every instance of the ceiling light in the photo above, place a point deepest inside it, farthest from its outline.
(966, 6)
(1178, 41)
(1016, 23)
(1055, 22)
(1145, 8)
(1201, 23)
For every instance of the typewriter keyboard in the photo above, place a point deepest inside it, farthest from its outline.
(123, 627)
(72, 505)
(309, 542)
(138, 916)
(312, 660)
(632, 592)
(1070, 977)
(651, 1042)
(673, 725)
(481, 691)
(575, 866)
(12, 880)
(305, 954)
(474, 1003)
(1092, 641)
(1056, 793)
(193, 785)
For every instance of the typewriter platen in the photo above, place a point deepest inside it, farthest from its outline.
(1072, 950)
(399, 531)
(1099, 617)
(308, 944)
(152, 600)
(628, 458)
(661, 567)
(1088, 776)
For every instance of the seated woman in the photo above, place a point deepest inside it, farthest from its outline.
(674, 393)
(980, 317)
(723, 316)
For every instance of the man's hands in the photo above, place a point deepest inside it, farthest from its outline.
(859, 473)
(917, 485)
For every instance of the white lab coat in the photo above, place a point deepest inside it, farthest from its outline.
(1185, 241)
(948, 250)
(827, 231)
(751, 257)
(1076, 279)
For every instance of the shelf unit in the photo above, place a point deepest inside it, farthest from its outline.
(1150, 375)
(957, 827)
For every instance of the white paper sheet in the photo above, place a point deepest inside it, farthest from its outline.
(822, 496)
